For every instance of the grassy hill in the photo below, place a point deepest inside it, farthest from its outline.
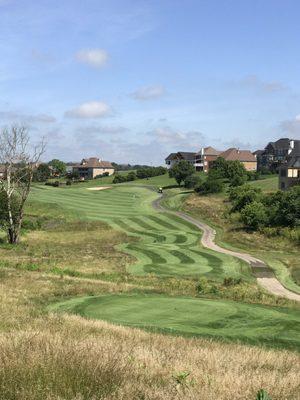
(112, 263)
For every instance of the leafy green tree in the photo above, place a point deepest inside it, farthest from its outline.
(254, 215)
(192, 181)
(181, 170)
(59, 167)
(42, 173)
(243, 195)
(131, 176)
(219, 168)
(210, 186)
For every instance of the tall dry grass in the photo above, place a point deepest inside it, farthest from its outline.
(69, 357)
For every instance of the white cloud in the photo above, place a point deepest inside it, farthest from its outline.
(14, 116)
(92, 109)
(149, 92)
(96, 58)
(291, 127)
(253, 81)
(298, 117)
(179, 140)
(94, 130)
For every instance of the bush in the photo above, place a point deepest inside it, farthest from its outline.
(254, 215)
(181, 170)
(192, 181)
(202, 286)
(119, 179)
(148, 172)
(243, 195)
(131, 176)
(210, 186)
(69, 183)
(54, 184)
(229, 281)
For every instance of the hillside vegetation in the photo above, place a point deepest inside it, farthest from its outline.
(108, 255)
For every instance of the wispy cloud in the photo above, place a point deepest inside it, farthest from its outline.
(254, 82)
(92, 109)
(96, 58)
(179, 140)
(148, 92)
(95, 130)
(14, 116)
(291, 127)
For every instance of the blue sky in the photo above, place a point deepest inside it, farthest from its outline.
(131, 81)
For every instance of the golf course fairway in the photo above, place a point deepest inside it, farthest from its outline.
(253, 324)
(166, 245)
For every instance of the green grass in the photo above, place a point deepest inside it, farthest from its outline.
(229, 320)
(268, 183)
(168, 245)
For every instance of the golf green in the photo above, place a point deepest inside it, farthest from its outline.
(167, 245)
(253, 324)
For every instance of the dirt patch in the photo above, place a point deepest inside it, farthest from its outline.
(99, 188)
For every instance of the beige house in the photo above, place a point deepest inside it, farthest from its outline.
(90, 168)
(244, 156)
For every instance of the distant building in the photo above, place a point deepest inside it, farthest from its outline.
(174, 158)
(91, 167)
(244, 156)
(275, 154)
(205, 157)
(289, 173)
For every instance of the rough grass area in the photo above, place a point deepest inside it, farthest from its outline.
(49, 356)
(217, 319)
(279, 252)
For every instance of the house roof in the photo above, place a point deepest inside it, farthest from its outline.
(210, 151)
(258, 152)
(183, 155)
(234, 154)
(94, 162)
(294, 157)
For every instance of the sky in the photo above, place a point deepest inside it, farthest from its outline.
(130, 81)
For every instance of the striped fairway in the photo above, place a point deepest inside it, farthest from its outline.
(168, 245)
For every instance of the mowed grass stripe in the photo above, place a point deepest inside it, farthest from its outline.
(165, 242)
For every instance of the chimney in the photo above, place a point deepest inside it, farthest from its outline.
(292, 145)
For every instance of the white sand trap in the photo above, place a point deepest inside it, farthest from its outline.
(99, 188)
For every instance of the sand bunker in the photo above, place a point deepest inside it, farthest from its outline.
(99, 188)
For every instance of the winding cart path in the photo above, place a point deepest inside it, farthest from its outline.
(265, 276)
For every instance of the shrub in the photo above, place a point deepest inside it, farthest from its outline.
(202, 286)
(192, 181)
(229, 281)
(131, 176)
(254, 215)
(69, 183)
(54, 184)
(210, 186)
(243, 195)
(119, 179)
(181, 170)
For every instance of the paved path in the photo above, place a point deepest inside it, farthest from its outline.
(265, 276)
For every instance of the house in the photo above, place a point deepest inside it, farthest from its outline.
(205, 157)
(174, 158)
(70, 166)
(289, 173)
(244, 156)
(92, 167)
(275, 153)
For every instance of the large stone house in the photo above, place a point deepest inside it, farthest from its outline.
(203, 159)
(91, 167)
(244, 156)
(275, 154)
(289, 173)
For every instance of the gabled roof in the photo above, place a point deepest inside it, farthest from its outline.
(94, 162)
(234, 154)
(210, 151)
(182, 155)
(294, 157)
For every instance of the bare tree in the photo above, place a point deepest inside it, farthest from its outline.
(19, 160)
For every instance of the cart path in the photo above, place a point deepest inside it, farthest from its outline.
(264, 275)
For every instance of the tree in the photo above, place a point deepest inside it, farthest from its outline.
(42, 173)
(210, 186)
(59, 167)
(243, 195)
(236, 173)
(181, 170)
(254, 215)
(131, 176)
(20, 162)
(192, 181)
